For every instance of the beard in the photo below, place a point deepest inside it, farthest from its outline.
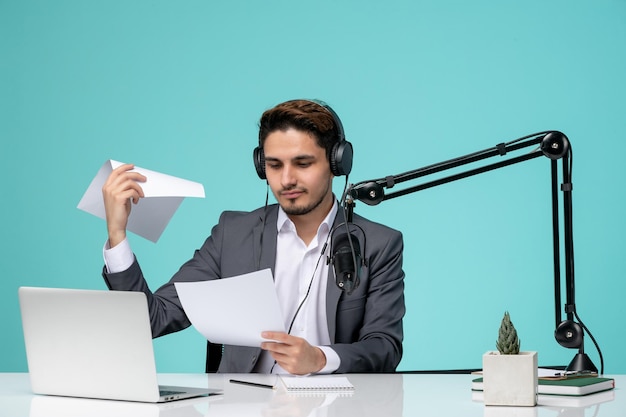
(293, 209)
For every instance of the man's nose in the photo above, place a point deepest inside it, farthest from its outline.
(288, 176)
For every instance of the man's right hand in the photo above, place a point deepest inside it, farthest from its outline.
(118, 191)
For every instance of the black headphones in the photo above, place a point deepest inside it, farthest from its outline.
(340, 156)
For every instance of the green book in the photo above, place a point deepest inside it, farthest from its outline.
(568, 386)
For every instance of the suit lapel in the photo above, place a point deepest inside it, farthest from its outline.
(265, 235)
(333, 293)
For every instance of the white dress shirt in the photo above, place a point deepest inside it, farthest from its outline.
(297, 267)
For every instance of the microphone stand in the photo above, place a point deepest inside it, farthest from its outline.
(552, 144)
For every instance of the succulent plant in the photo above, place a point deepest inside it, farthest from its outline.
(507, 343)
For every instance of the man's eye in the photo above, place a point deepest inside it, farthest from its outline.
(304, 164)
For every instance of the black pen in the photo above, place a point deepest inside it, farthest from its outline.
(253, 384)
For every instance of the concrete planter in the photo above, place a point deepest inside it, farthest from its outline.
(510, 379)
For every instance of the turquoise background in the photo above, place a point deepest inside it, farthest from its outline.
(178, 87)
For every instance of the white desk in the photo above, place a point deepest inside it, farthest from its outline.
(375, 395)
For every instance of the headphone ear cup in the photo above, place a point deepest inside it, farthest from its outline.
(259, 162)
(341, 158)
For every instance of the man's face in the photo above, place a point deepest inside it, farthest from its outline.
(298, 172)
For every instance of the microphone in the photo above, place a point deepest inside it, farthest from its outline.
(346, 261)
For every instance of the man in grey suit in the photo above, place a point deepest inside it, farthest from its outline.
(301, 149)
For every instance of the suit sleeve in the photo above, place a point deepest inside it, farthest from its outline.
(166, 312)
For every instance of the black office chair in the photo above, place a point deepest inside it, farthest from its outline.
(213, 357)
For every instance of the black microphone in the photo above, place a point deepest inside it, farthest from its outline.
(346, 261)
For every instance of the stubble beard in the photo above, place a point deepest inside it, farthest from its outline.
(295, 210)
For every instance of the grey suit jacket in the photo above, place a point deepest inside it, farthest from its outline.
(365, 327)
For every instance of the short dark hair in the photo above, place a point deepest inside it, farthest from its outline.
(303, 115)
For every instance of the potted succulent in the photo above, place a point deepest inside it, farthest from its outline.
(509, 375)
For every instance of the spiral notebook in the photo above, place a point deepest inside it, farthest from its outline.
(317, 383)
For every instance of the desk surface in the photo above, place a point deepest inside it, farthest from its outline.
(390, 395)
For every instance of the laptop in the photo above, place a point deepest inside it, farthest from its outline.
(56, 406)
(93, 344)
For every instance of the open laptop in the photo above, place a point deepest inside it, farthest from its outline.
(93, 344)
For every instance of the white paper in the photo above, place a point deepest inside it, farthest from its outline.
(149, 217)
(233, 311)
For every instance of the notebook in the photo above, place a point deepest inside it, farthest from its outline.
(317, 383)
(93, 344)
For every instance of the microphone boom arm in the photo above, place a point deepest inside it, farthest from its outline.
(552, 144)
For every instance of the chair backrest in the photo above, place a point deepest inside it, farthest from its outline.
(213, 357)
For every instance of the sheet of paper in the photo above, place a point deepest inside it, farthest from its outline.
(150, 216)
(233, 311)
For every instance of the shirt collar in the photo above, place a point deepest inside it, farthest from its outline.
(283, 222)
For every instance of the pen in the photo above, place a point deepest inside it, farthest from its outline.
(253, 384)
(575, 374)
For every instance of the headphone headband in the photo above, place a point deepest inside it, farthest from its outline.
(340, 132)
